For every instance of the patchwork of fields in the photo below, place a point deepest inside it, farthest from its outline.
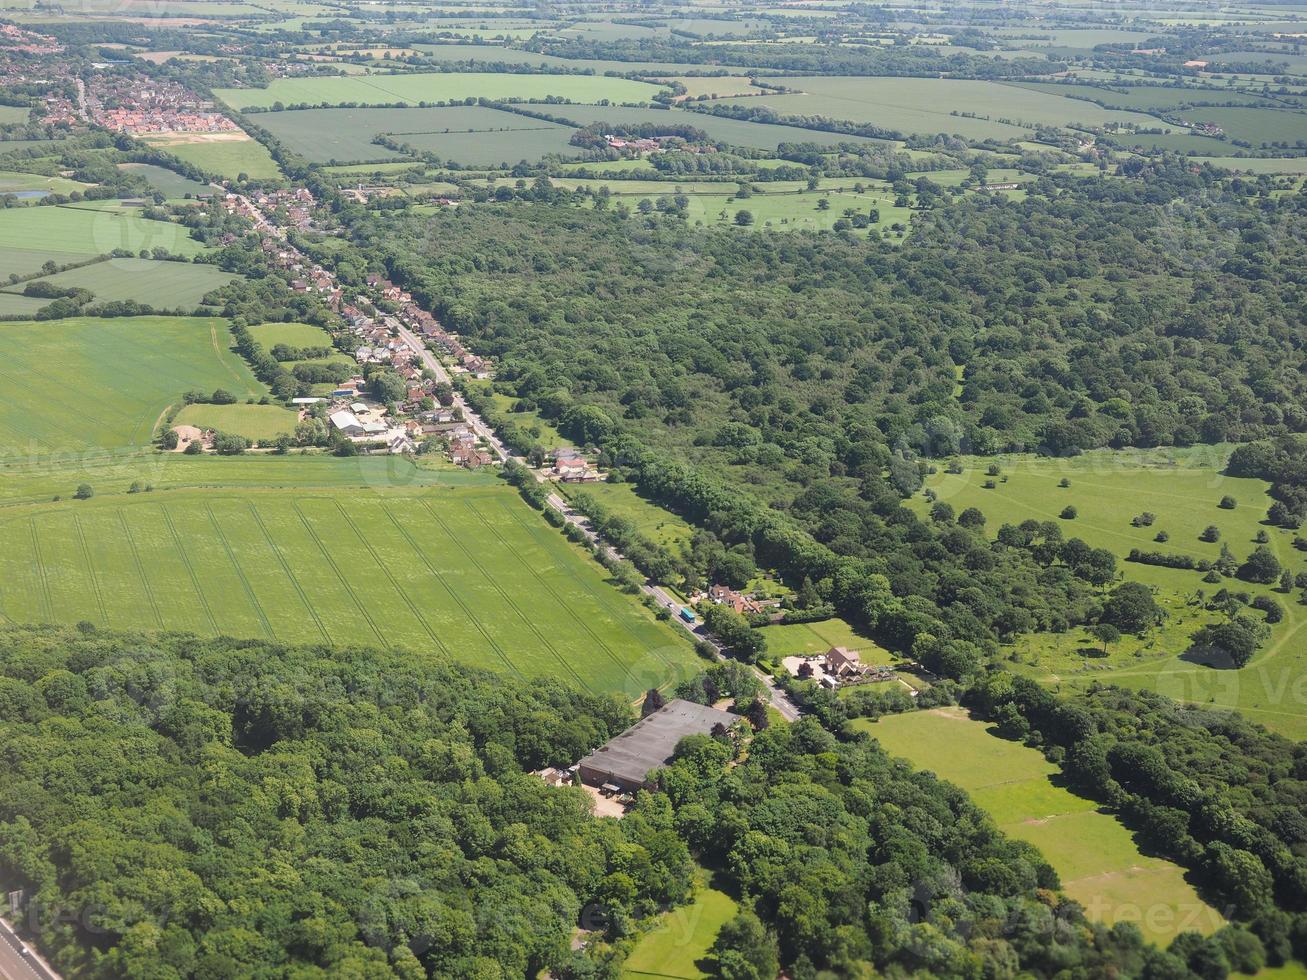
(162, 285)
(471, 135)
(1095, 856)
(976, 109)
(467, 574)
(30, 237)
(418, 87)
(126, 372)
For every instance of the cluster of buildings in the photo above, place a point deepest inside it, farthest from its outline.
(571, 466)
(142, 106)
(837, 667)
(298, 204)
(429, 328)
(15, 39)
(745, 605)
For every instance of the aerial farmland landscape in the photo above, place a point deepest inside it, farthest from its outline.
(614, 490)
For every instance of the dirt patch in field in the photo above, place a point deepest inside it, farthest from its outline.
(174, 139)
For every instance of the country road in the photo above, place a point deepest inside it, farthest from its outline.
(17, 962)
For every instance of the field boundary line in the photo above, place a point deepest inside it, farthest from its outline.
(140, 567)
(90, 568)
(190, 568)
(580, 621)
(476, 623)
(240, 574)
(343, 580)
(41, 572)
(290, 576)
(385, 570)
(508, 599)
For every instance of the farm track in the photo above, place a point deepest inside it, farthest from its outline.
(240, 574)
(385, 570)
(90, 569)
(344, 581)
(494, 645)
(190, 568)
(286, 570)
(499, 590)
(140, 568)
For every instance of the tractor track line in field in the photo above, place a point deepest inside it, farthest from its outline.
(190, 568)
(240, 574)
(385, 570)
(508, 599)
(603, 598)
(90, 569)
(540, 581)
(140, 568)
(476, 623)
(286, 570)
(343, 580)
(41, 572)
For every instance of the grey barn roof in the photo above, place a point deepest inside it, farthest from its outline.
(650, 742)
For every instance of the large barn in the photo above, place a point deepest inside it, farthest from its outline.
(626, 761)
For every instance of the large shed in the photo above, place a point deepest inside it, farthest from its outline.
(627, 760)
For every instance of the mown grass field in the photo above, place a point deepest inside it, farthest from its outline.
(162, 285)
(436, 87)
(225, 158)
(679, 944)
(806, 639)
(91, 386)
(469, 574)
(30, 237)
(251, 421)
(269, 335)
(1260, 127)
(1095, 856)
(1182, 489)
(19, 182)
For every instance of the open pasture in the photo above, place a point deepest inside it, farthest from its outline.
(682, 938)
(1182, 489)
(224, 157)
(92, 386)
(30, 237)
(255, 422)
(1260, 127)
(468, 574)
(167, 182)
(926, 105)
(161, 285)
(650, 520)
(28, 185)
(810, 639)
(738, 132)
(474, 135)
(1095, 856)
(418, 87)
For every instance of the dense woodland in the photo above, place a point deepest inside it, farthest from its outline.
(824, 373)
(219, 808)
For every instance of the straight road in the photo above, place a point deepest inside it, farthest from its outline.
(17, 962)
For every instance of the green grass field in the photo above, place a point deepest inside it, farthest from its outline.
(30, 237)
(1260, 127)
(652, 521)
(805, 639)
(251, 421)
(1093, 853)
(269, 335)
(681, 940)
(225, 158)
(18, 182)
(162, 285)
(925, 105)
(471, 135)
(1182, 489)
(436, 87)
(91, 386)
(470, 574)
(167, 182)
